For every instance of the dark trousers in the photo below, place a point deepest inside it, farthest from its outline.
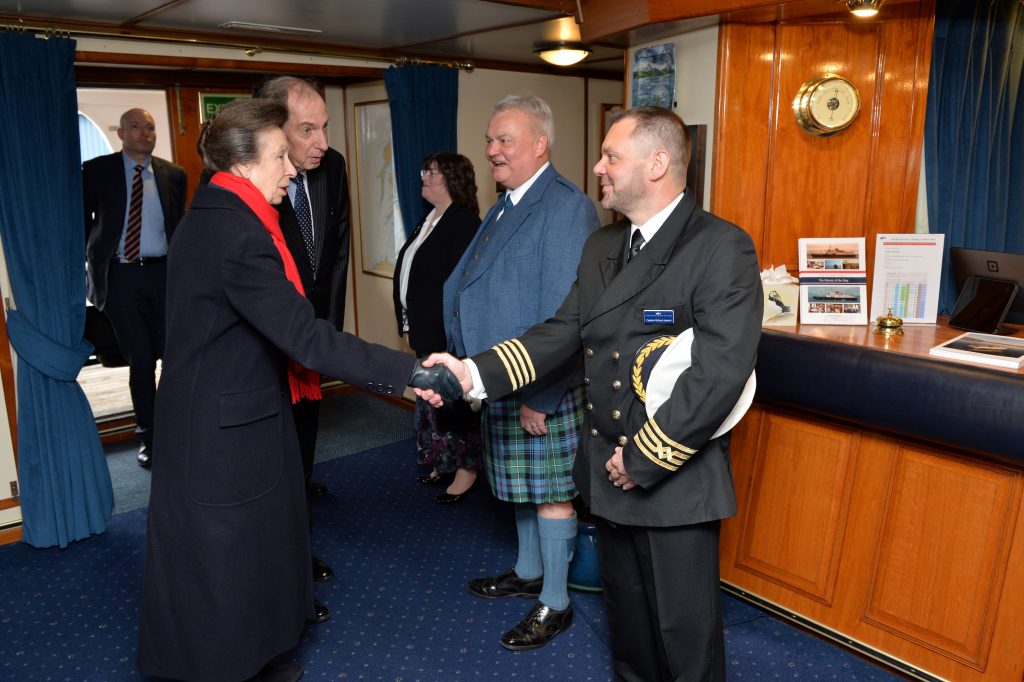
(307, 423)
(662, 594)
(135, 307)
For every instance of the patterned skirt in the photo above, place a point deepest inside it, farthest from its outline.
(449, 438)
(525, 468)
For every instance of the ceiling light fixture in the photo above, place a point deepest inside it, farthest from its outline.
(864, 8)
(269, 28)
(562, 53)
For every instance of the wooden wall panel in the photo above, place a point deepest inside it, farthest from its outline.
(740, 164)
(780, 183)
(816, 185)
(797, 505)
(941, 559)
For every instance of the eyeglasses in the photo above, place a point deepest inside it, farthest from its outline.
(424, 174)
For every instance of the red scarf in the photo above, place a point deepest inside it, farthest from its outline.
(304, 383)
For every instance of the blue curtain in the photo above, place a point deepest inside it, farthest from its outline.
(64, 481)
(974, 129)
(424, 105)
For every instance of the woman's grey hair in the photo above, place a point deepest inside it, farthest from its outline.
(231, 136)
(534, 107)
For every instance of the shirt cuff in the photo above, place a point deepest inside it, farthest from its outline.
(479, 391)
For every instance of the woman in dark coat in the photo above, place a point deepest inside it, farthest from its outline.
(227, 583)
(449, 438)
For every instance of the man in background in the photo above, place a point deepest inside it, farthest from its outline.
(133, 201)
(315, 223)
(513, 275)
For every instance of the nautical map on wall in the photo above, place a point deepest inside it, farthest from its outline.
(380, 220)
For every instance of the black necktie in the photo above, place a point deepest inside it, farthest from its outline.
(304, 218)
(636, 242)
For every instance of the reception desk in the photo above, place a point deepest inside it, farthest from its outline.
(879, 494)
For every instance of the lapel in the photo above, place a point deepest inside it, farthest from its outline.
(163, 191)
(509, 224)
(317, 180)
(120, 187)
(623, 282)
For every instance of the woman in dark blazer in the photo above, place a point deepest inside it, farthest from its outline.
(449, 438)
(227, 586)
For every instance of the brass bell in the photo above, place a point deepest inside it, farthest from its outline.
(889, 325)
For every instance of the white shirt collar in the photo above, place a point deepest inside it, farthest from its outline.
(651, 227)
(516, 194)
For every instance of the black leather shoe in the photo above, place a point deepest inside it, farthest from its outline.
(145, 455)
(436, 478)
(321, 571)
(538, 628)
(316, 489)
(508, 584)
(322, 613)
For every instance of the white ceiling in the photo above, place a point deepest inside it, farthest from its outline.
(477, 30)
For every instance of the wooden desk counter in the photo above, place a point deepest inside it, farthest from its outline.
(880, 499)
(916, 340)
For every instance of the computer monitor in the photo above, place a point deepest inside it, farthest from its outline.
(991, 264)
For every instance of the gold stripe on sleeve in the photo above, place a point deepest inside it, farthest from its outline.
(515, 376)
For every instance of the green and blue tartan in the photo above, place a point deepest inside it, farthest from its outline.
(525, 468)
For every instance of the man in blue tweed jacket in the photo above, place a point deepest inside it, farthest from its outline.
(513, 275)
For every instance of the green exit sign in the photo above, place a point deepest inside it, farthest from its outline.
(211, 104)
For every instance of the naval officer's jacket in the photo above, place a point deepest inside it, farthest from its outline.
(698, 272)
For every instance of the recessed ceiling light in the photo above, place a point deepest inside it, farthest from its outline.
(269, 28)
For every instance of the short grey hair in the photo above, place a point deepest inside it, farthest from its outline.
(534, 107)
(660, 127)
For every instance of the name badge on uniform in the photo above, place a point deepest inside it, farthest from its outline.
(659, 317)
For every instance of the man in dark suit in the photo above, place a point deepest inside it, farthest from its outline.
(133, 201)
(657, 476)
(315, 223)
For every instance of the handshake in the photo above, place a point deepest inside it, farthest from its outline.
(434, 379)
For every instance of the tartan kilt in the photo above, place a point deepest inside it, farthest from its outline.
(525, 468)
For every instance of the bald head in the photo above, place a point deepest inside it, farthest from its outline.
(137, 133)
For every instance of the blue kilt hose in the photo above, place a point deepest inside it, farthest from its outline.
(525, 468)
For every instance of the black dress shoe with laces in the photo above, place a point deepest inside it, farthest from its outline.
(538, 628)
(322, 613)
(508, 584)
(321, 571)
(145, 456)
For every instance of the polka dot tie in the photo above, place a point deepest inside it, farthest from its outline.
(305, 218)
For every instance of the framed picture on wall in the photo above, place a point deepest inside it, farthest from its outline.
(380, 220)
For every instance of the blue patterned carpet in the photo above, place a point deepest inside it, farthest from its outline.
(400, 608)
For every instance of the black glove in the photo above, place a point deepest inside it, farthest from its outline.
(438, 379)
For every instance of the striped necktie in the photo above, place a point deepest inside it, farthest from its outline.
(133, 233)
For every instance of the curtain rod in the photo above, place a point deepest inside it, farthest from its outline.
(250, 50)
